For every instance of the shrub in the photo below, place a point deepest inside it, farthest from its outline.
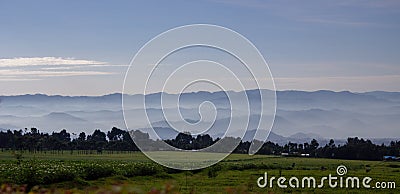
(95, 171)
(141, 169)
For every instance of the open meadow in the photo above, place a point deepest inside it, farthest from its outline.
(133, 172)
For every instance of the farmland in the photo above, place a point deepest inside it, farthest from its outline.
(133, 171)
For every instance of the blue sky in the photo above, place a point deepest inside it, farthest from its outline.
(83, 47)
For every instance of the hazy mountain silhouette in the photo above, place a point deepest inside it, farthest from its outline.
(325, 114)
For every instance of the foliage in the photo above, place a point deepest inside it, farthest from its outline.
(133, 173)
(34, 141)
(42, 172)
(120, 140)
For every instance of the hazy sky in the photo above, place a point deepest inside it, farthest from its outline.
(84, 47)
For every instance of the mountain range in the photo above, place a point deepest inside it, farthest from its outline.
(300, 115)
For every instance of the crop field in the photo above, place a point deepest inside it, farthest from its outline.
(132, 172)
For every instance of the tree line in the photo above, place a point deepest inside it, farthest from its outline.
(120, 140)
(34, 141)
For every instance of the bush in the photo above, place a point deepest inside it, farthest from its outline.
(213, 171)
(141, 169)
(96, 171)
(57, 177)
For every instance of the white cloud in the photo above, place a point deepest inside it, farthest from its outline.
(14, 73)
(37, 68)
(43, 61)
(61, 68)
(17, 79)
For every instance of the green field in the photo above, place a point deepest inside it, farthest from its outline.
(123, 172)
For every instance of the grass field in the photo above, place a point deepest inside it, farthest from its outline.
(133, 172)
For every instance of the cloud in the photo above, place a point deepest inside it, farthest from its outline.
(13, 73)
(61, 68)
(258, 4)
(338, 83)
(37, 68)
(45, 61)
(316, 11)
(336, 22)
(262, 4)
(394, 4)
(16, 79)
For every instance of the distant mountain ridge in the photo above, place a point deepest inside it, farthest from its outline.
(322, 113)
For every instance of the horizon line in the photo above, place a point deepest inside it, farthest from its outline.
(152, 93)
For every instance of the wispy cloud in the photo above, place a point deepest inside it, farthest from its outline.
(17, 79)
(257, 4)
(37, 68)
(315, 11)
(336, 22)
(394, 4)
(61, 68)
(338, 83)
(13, 73)
(263, 4)
(46, 61)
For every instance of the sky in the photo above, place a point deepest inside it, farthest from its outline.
(85, 47)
